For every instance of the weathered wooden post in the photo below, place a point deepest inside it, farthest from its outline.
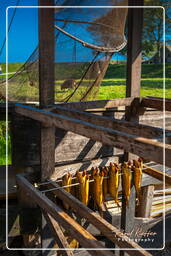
(46, 99)
(135, 23)
(144, 209)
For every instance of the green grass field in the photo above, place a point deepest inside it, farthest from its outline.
(3, 144)
(113, 84)
(110, 88)
(116, 88)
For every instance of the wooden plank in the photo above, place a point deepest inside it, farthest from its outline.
(137, 145)
(157, 174)
(133, 81)
(144, 209)
(98, 104)
(151, 102)
(157, 103)
(61, 169)
(74, 229)
(47, 157)
(71, 147)
(135, 24)
(94, 106)
(46, 53)
(46, 98)
(108, 230)
(46, 84)
(121, 125)
(58, 234)
(128, 212)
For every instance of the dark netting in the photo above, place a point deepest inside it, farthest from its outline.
(23, 85)
(86, 39)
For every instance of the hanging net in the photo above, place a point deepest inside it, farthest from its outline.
(85, 41)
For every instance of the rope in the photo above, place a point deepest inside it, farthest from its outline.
(92, 46)
(89, 66)
(22, 68)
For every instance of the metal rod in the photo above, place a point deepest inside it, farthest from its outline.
(50, 181)
(57, 181)
(67, 186)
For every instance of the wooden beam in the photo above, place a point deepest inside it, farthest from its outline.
(46, 84)
(121, 125)
(135, 24)
(62, 169)
(128, 212)
(144, 208)
(151, 102)
(157, 103)
(137, 145)
(133, 81)
(46, 98)
(74, 229)
(58, 234)
(46, 53)
(108, 230)
(98, 104)
(157, 174)
(47, 156)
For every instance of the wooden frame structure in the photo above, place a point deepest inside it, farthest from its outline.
(100, 129)
(77, 232)
(108, 131)
(49, 119)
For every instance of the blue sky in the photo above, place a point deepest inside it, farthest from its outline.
(23, 35)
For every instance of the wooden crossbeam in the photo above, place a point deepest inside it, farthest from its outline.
(58, 234)
(83, 105)
(121, 125)
(74, 229)
(157, 103)
(108, 230)
(157, 174)
(143, 147)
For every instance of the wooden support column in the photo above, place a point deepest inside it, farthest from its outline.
(144, 209)
(135, 23)
(25, 158)
(46, 83)
(46, 53)
(46, 99)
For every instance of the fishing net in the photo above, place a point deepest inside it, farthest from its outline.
(85, 41)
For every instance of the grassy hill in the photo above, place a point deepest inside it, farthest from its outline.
(12, 67)
(148, 71)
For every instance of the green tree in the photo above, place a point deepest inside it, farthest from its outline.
(153, 27)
